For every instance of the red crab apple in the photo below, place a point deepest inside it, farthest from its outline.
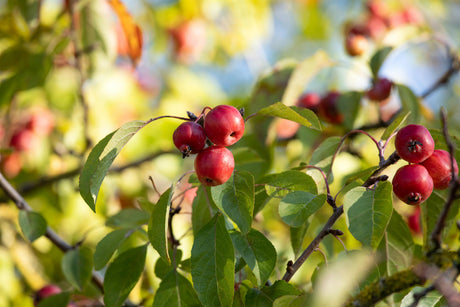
(414, 143)
(328, 109)
(24, 140)
(189, 138)
(45, 292)
(412, 184)
(380, 90)
(438, 166)
(355, 44)
(224, 125)
(309, 101)
(413, 221)
(214, 165)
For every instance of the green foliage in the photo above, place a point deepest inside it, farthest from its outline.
(60, 299)
(77, 266)
(295, 208)
(263, 238)
(302, 116)
(176, 290)
(101, 158)
(108, 246)
(236, 199)
(368, 213)
(158, 225)
(213, 262)
(123, 274)
(33, 225)
(257, 251)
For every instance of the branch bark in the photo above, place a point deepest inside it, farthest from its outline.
(22, 204)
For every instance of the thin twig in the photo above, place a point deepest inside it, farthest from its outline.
(327, 228)
(453, 188)
(22, 204)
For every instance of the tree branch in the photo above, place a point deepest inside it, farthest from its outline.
(21, 204)
(435, 237)
(292, 268)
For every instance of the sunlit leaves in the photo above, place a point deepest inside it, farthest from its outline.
(213, 264)
(323, 154)
(296, 207)
(101, 158)
(158, 225)
(131, 31)
(395, 124)
(378, 58)
(123, 274)
(257, 251)
(368, 212)
(236, 199)
(302, 116)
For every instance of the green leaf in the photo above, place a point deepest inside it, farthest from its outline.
(431, 299)
(395, 124)
(279, 185)
(100, 159)
(203, 208)
(162, 268)
(291, 301)
(33, 225)
(128, 218)
(175, 290)
(297, 237)
(123, 274)
(296, 207)
(431, 210)
(322, 156)
(236, 199)
(304, 72)
(257, 251)
(368, 212)
(378, 58)
(158, 225)
(57, 300)
(107, 247)
(77, 265)
(268, 294)
(302, 116)
(410, 103)
(397, 246)
(349, 103)
(213, 264)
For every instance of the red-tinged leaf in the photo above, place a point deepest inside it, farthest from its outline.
(131, 30)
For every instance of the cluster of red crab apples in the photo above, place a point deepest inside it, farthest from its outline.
(428, 168)
(208, 137)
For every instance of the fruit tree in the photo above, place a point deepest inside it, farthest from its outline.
(229, 153)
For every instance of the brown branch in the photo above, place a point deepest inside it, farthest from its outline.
(327, 228)
(380, 289)
(29, 187)
(454, 68)
(21, 204)
(81, 75)
(436, 234)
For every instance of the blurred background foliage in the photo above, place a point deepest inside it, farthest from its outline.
(69, 76)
